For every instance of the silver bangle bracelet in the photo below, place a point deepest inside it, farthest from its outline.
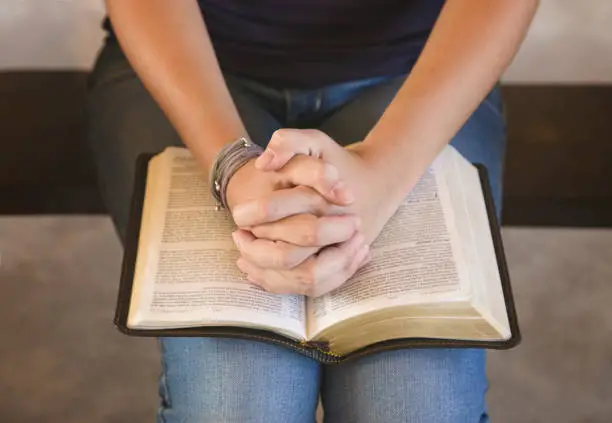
(231, 158)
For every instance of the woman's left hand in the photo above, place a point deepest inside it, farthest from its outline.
(319, 273)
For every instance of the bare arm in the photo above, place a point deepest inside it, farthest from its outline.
(470, 46)
(168, 45)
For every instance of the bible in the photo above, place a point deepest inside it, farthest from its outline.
(437, 277)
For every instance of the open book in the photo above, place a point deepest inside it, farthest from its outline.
(437, 276)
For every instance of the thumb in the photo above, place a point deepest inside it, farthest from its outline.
(287, 143)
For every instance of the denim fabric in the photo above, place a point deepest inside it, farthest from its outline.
(230, 380)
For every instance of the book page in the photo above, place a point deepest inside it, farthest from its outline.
(416, 260)
(188, 275)
(476, 238)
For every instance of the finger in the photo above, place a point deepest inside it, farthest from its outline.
(335, 280)
(276, 282)
(253, 274)
(280, 204)
(334, 265)
(287, 143)
(319, 175)
(270, 254)
(308, 230)
(303, 279)
(312, 278)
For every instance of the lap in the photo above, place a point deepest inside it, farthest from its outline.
(203, 379)
(417, 386)
(230, 380)
(446, 385)
(250, 381)
(211, 379)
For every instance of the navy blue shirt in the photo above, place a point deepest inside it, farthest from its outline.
(313, 43)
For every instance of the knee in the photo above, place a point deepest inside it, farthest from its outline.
(420, 386)
(451, 387)
(235, 380)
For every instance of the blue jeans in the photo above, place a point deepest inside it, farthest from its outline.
(229, 380)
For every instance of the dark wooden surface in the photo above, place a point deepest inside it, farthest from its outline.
(559, 161)
(558, 168)
(42, 129)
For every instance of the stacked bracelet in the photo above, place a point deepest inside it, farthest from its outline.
(231, 158)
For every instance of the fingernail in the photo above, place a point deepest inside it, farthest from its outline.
(264, 160)
(243, 212)
(363, 252)
(236, 239)
(367, 259)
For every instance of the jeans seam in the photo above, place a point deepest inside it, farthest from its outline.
(492, 107)
(164, 393)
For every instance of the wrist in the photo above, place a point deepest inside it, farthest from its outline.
(395, 178)
(229, 160)
(235, 192)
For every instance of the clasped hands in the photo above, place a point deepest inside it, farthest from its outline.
(306, 210)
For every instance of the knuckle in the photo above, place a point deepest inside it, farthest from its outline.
(307, 284)
(282, 258)
(310, 234)
(313, 133)
(278, 136)
(319, 204)
(315, 201)
(259, 231)
(263, 210)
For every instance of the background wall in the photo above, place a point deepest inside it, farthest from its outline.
(569, 41)
(49, 34)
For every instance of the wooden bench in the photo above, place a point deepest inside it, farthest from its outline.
(558, 169)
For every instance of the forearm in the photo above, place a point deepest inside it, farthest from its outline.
(169, 48)
(470, 46)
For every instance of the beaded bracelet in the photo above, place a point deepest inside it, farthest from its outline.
(231, 158)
